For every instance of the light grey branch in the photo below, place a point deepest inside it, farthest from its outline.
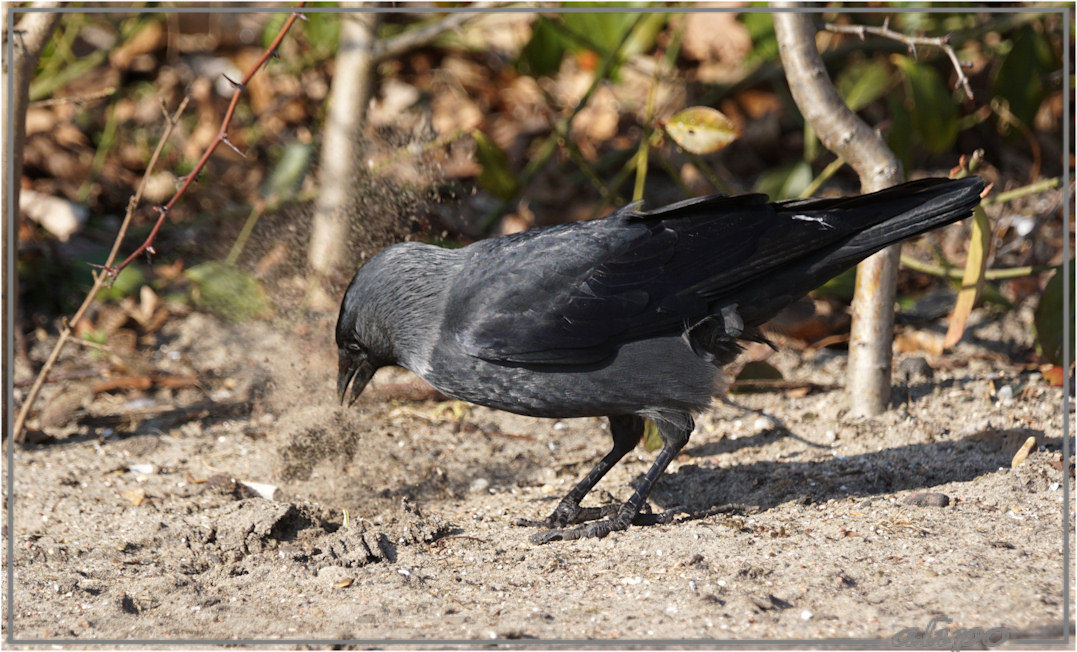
(870, 345)
(416, 38)
(941, 42)
(341, 160)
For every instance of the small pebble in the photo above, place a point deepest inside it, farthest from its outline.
(267, 491)
(1005, 393)
(927, 499)
(805, 615)
(478, 485)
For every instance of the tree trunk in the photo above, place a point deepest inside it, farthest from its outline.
(871, 340)
(341, 155)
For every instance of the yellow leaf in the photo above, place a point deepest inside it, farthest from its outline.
(973, 281)
(701, 130)
(652, 441)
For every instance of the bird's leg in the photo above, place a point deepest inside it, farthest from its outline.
(626, 431)
(674, 433)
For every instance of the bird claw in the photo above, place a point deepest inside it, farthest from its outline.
(594, 530)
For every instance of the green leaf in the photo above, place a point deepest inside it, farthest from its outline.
(1051, 315)
(288, 173)
(786, 181)
(899, 136)
(701, 129)
(605, 31)
(1018, 80)
(496, 176)
(931, 103)
(543, 53)
(642, 38)
(760, 28)
(228, 291)
(841, 287)
(862, 83)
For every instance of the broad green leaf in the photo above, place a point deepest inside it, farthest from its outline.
(543, 53)
(288, 173)
(899, 136)
(701, 129)
(786, 181)
(760, 28)
(643, 36)
(842, 286)
(605, 31)
(496, 176)
(1051, 315)
(862, 83)
(1018, 80)
(228, 291)
(932, 107)
(973, 281)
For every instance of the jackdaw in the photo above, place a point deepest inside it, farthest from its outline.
(629, 317)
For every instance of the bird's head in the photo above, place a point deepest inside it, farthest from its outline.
(363, 339)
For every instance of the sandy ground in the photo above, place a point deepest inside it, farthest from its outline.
(393, 520)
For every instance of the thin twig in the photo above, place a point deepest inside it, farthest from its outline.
(416, 38)
(99, 279)
(222, 137)
(1031, 189)
(998, 274)
(78, 99)
(941, 42)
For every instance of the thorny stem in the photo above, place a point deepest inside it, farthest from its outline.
(99, 279)
(941, 42)
(222, 137)
(109, 272)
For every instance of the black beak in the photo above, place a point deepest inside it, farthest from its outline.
(352, 369)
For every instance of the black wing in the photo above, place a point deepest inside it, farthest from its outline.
(574, 293)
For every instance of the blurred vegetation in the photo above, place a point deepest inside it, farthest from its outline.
(516, 121)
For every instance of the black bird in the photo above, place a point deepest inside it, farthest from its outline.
(628, 317)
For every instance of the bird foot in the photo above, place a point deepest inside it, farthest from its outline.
(569, 514)
(594, 530)
(597, 529)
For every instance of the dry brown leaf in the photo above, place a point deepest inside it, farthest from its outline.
(134, 496)
(1022, 453)
(716, 37)
(148, 39)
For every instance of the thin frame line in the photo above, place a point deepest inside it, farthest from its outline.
(9, 317)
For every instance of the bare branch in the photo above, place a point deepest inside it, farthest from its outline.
(416, 38)
(222, 137)
(99, 279)
(845, 134)
(109, 272)
(941, 42)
